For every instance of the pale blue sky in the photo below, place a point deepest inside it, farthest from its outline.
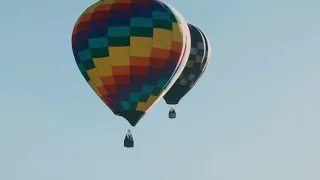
(253, 116)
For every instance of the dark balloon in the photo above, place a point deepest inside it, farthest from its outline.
(198, 60)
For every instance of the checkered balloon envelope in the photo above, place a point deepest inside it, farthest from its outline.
(131, 52)
(197, 62)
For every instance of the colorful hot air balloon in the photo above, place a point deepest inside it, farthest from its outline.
(130, 52)
(198, 60)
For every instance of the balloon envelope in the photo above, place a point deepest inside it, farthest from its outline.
(198, 60)
(130, 52)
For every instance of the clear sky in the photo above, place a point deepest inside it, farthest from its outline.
(253, 116)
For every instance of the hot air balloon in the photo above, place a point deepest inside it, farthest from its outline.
(198, 60)
(130, 52)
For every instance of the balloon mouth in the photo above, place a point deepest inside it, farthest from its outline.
(172, 102)
(132, 116)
